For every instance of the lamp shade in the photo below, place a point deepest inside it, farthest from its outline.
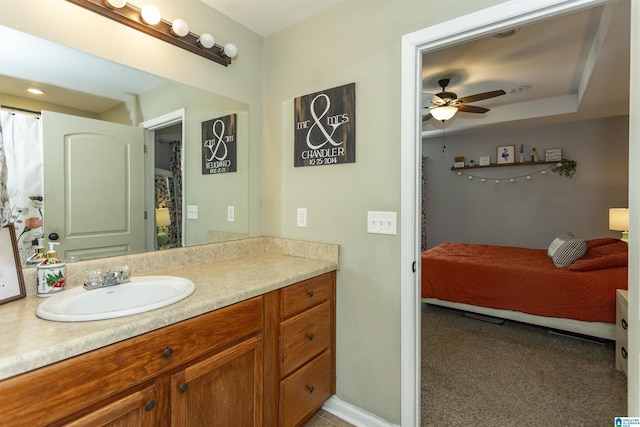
(162, 217)
(619, 219)
(444, 113)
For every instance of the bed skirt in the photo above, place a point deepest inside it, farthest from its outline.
(593, 329)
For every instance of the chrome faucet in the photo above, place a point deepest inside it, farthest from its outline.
(95, 279)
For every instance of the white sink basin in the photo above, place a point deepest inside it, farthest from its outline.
(141, 294)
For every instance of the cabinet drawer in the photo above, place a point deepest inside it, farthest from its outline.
(120, 366)
(305, 294)
(622, 326)
(304, 336)
(305, 391)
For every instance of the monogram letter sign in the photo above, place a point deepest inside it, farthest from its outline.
(325, 122)
(219, 145)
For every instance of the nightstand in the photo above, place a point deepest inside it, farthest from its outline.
(622, 329)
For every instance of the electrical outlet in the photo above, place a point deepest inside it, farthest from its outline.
(231, 215)
(192, 212)
(382, 222)
(302, 217)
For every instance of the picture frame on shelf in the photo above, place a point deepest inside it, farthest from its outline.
(553, 154)
(11, 278)
(458, 162)
(505, 154)
(484, 160)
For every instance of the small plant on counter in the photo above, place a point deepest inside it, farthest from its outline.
(567, 168)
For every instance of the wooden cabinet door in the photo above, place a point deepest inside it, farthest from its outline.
(222, 390)
(136, 409)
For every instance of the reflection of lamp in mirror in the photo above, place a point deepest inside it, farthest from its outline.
(619, 221)
(162, 220)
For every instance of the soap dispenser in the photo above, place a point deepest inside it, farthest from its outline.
(51, 273)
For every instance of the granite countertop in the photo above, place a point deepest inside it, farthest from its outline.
(28, 342)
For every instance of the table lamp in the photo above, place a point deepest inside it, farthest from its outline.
(619, 221)
(162, 220)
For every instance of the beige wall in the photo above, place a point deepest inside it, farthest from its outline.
(355, 41)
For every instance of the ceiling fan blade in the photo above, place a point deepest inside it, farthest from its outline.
(427, 117)
(436, 100)
(472, 109)
(481, 96)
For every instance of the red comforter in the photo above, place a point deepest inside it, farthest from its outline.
(526, 280)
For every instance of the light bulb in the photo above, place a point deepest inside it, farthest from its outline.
(179, 27)
(512, 180)
(459, 173)
(470, 177)
(497, 181)
(206, 40)
(150, 14)
(115, 4)
(482, 180)
(230, 50)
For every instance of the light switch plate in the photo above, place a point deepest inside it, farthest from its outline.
(382, 222)
(192, 212)
(231, 214)
(301, 217)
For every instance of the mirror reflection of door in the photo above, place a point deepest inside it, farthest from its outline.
(168, 186)
(93, 190)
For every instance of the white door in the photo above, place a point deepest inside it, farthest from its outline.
(93, 186)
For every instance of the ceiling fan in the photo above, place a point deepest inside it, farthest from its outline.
(447, 104)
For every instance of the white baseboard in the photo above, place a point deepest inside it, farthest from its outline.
(353, 414)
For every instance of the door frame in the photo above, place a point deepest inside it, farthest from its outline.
(150, 126)
(494, 19)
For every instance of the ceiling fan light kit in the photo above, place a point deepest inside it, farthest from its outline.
(447, 104)
(148, 20)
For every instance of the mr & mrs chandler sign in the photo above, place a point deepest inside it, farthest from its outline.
(325, 127)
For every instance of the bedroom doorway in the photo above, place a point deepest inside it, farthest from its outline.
(469, 27)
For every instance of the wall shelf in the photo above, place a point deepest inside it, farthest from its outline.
(499, 165)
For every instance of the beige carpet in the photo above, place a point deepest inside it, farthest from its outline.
(476, 373)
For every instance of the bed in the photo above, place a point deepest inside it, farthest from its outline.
(525, 285)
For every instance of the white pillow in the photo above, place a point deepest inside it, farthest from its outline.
(565, 249)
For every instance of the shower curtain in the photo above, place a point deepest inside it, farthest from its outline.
(168, 189)
(21, 177)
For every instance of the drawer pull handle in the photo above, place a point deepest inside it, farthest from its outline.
(167, 353)
(183, 387)
(310, 337)
(149, 405)
(311, 389)
(624, 352)
(624, 323)
(311, 294)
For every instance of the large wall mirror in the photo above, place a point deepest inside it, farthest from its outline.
(120, 155)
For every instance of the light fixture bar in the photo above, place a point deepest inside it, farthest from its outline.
(129, 15)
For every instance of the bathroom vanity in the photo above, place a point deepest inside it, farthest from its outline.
(253, 346)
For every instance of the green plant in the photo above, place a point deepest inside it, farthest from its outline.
(566, 168)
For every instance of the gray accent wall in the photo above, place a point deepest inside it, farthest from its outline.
(527, 212)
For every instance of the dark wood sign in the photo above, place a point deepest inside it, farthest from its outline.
(219, 145)
(325, 122)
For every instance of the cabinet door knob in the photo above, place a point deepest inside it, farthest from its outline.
(183, 387)
(311, 294)
(167, 353)
(311, 389)
(149, 405)
(624, 323)
(310, 337)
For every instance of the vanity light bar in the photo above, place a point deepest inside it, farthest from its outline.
(130, 16)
